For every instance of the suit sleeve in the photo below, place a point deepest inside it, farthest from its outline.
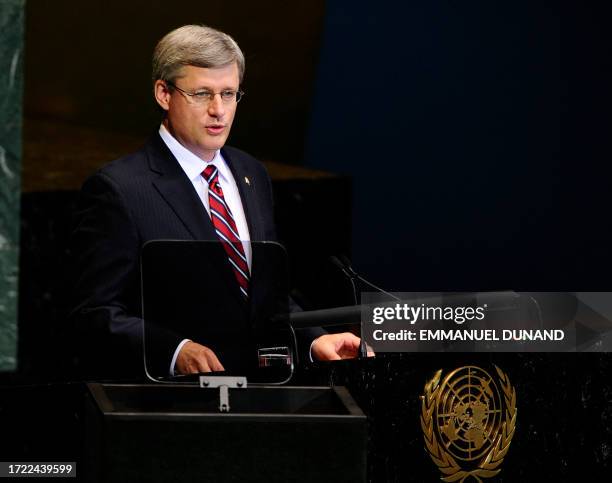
(106, 307)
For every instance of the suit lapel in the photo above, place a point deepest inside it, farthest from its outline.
(247, 191)
(178, 191)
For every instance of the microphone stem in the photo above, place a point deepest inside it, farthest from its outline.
(352, 279)
(376, 287)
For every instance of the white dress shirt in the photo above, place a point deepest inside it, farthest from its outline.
(193, 167)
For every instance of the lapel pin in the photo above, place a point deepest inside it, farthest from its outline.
(247, 180)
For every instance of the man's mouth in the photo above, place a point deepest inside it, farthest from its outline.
(215, 128)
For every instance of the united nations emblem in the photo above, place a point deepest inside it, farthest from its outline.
(468, 423)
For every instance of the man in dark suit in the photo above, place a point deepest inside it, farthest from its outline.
(184, 184)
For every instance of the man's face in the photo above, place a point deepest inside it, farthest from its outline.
(202, 128)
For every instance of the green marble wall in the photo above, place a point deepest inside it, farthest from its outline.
(11, 84)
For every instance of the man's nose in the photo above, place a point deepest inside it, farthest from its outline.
(216, 108)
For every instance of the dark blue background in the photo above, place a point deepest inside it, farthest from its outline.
(478, 138)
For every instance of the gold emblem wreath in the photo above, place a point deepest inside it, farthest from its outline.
(489, 465)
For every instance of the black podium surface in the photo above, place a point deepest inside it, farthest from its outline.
(171, 432)
(563, 431)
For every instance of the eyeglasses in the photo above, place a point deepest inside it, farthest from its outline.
(204, 97)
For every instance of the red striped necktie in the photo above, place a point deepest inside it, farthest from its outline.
(225, 226)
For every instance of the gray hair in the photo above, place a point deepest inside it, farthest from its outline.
(196, 45)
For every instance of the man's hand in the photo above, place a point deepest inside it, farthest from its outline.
(334, 347)
(194, 358)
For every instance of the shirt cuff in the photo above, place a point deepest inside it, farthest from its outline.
(310, 350)
(175, 356)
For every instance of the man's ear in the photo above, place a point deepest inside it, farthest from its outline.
(162, 94)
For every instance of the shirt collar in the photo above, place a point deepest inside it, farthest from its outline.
(192, 165)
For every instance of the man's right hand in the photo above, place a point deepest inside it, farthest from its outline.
(194, 358)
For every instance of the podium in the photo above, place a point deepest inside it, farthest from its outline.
(227, 428)
(174, 432)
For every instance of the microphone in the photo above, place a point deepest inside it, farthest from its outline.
(350, 274)
(344, 264)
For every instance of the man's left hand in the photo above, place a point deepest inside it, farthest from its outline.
(334, 347)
